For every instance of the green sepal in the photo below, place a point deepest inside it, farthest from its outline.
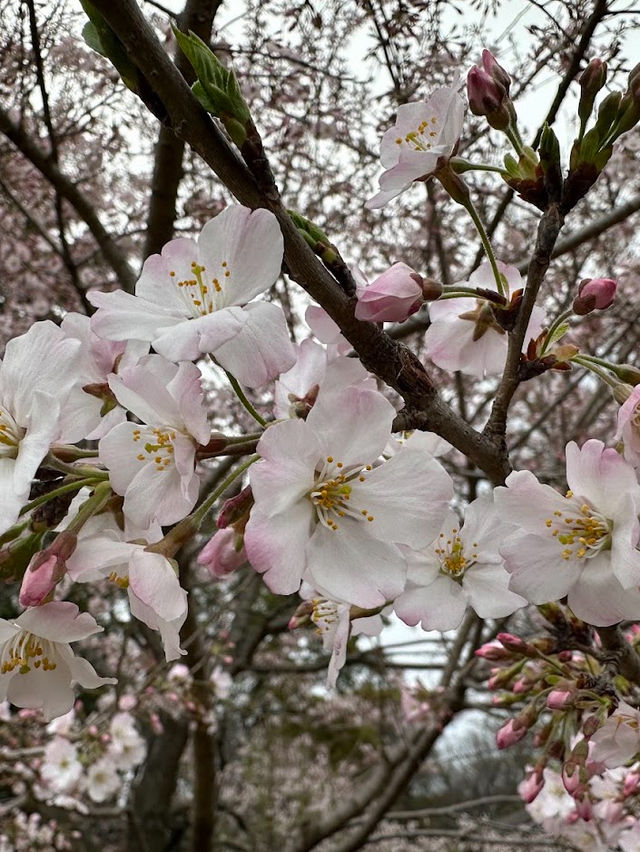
(216, 88)
(558, 333)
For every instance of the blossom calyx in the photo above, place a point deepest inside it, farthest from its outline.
(46, 569)
(594, 294)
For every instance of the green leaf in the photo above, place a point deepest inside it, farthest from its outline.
(217, 88)
(101, 38)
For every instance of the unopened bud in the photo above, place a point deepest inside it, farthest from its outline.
(591, 81)
(46, 569)
(301, 616)
(594, 294)
(488, 98)
(236, 508)
(628, 373)
(558, 699)
(495, 70)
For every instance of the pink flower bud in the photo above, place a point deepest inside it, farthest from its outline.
(127, 702)
(220, 554)
(557, 699)
(514, 643)
(594, 294)
(392, 297)
(495, 70)
(509, 735)
(46, 569)
(531, 786)
(236, 508)
(631, 784)
(492, 651)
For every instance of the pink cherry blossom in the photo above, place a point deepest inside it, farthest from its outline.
(152, 464)
(461, 568)
(326, 331)
(196, 298)
(102, 780)
(61, 769)
(464, 334)
(423, 135)
(324, 512)
(37, 665)
(582, 545)
(392, 297)
(150, 579)
(37, 376)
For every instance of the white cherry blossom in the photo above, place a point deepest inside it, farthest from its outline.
(326, 511)
(197, 297)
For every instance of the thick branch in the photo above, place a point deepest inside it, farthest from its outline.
(548, 230)
(67, 189)
(197, 16)
(623, 655)
(392, 362)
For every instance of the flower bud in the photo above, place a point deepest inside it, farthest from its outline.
(392, 297)
(492, 651)
(46, 569)
(488, 97)
(509, 735)
(221, 555)
(495, 70)
(236, 508)
(531, 786)
(594, 294)
(558, 699)
(591, 81)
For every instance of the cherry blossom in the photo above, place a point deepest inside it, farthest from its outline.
(127, 748)
(461, 568)
(324, 512)
(196, 298)
(61, 769)
(37, 665)
(155, 595)
(102, 780)
(464, 333)
(37, 376)
(424, 135)
(153, 463)
(221, 554)
(583, 544)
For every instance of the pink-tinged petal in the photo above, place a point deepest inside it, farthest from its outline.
(153, 581)
(347, 564)
(527, 503)
(486, 528)
(487, 589)
(439, 606)
(276, 546)
(262, 349)
(58, 621)
(306, 374)
(186, 388)
(145, 395)
(322, 326)
(599, 599)
(290, 454)
(450, 309)
(353, 426)
(251, 245)
(162, 496)
(402, 175)
(408, 117)
(339, 646)
(381, 199)
(118, 452)
(408, 497)
(156, 283)
(538, 572)
(192, 338)
(625, 558)
(601, 476)
(121, 316)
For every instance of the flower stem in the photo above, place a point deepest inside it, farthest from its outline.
(477, 221)
(58, 492)
(460, 165)
(243, 399)
(609, 380)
